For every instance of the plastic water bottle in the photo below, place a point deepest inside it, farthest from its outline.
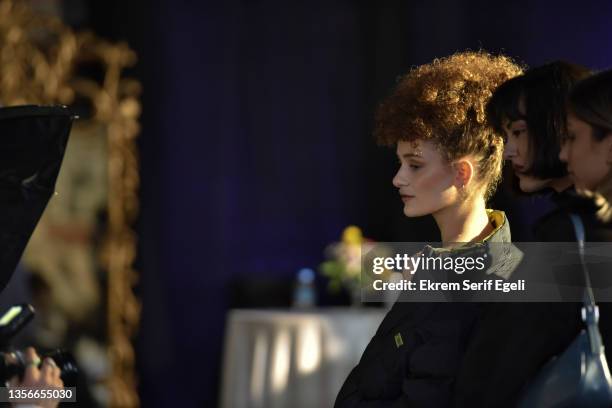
(305, 295)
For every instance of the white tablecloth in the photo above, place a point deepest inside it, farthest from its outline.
(291, 358)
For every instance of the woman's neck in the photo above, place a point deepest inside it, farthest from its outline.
(465, 222)
(561, 184)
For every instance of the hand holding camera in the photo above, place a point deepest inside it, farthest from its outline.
(37, 375)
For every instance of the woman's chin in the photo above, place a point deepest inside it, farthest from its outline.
(410, 211)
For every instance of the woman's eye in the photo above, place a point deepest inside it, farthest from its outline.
(518, 132)
(415, 166)
(567, 141)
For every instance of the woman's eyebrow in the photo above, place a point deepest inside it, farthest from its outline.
(411, 155)
(513, 122)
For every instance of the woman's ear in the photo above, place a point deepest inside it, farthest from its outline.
(464, 171)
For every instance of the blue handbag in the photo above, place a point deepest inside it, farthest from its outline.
(579, 377)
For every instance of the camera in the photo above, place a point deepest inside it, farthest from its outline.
(15, 319)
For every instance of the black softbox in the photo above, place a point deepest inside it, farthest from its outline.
(32, 144)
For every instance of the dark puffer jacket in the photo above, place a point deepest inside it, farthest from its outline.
(416, 353)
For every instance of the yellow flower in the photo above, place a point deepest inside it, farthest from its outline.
(352, 235)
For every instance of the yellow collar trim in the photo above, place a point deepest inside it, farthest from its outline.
(497, 219)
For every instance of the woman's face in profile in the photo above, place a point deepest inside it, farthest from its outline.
(588, 159)
(517, 150)
(425, 180)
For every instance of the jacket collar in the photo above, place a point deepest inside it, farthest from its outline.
(501, 255)
(503, 258)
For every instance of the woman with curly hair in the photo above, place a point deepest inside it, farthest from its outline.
(450, 164)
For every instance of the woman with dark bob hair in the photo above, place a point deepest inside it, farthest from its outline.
(450, 164)
(530, 111)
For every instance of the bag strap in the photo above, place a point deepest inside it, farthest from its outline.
(589, 298)
(590, 311)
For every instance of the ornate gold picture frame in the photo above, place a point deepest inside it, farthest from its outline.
(40, 59)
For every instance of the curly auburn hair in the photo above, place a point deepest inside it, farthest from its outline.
(444, 102)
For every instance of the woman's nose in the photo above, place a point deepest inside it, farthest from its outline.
(509, 150)
(398, 180)
(563, 153)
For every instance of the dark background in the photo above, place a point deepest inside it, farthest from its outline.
(256, 147)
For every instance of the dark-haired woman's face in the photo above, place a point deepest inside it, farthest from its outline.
(517, 150)
(588, 159)
(425, 180)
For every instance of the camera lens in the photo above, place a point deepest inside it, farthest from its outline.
(66, 362)
(63, 359)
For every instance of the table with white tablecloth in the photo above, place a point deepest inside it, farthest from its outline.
(292, 358)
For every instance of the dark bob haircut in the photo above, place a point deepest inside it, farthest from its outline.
(539, 98)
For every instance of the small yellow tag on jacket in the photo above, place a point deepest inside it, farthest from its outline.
(398, 340)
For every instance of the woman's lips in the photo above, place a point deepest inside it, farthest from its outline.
(406, 197)
(518, 170)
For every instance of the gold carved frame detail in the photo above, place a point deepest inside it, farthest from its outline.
(38, 60)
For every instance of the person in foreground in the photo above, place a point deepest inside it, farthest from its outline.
(48, 376)
(450, 164)
(34, 140)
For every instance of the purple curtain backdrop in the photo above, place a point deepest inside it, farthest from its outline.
(256, 149)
